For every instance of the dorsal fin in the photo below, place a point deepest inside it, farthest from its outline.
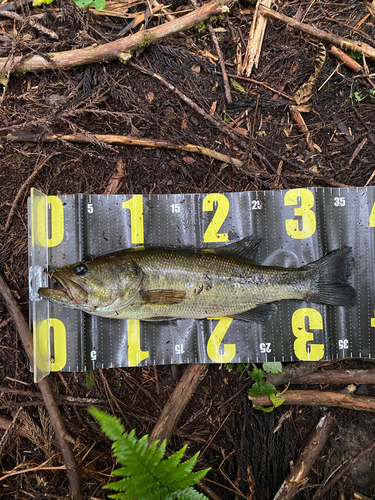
(245, 248)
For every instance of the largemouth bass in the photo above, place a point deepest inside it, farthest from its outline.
(155, 284)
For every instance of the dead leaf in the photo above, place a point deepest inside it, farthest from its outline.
(188, 159)
(213, 108)
(150, 96)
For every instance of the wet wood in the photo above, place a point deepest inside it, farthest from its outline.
(297, 476)
(337, 377)
(293, 371)
(320, 398)
(177, 402)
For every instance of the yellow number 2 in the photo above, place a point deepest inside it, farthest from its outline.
(306, 199)
(315, 320)
(215, 340)
(135, 205)
(212, 235)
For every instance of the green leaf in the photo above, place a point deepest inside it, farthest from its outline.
(240, 367)
(265, 409)
(277, 399)
(110, 426)
(257, 374)
(36, 3)
(274, 367)
(99, 4)
(261, 389)
(230, 367)
(237, 86)
(356, 55)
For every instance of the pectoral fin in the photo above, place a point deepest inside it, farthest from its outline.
(163, 297)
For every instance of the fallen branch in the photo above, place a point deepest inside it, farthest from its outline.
(124, 140)
(119, 49)
(7, 423)
(228, 93)
(343, 43)
(34, 24)
(350, 464)
(177, 402)
(299, 471)
(292, 371)
(320, 398)
(338, 377)
(61, 433)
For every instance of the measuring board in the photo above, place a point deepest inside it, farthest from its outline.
(297, 226)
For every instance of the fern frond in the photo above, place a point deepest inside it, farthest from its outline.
(145, 475)
(110, 426)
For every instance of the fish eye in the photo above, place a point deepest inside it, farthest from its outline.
(80, 269)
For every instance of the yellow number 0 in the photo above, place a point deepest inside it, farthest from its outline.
(308, 216)
(57, 221)
(59, 340)
(303, 336)
(216, 338)
(135, 205)
(371, 221)
(211, 235)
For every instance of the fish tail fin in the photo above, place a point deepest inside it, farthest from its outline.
(330, 276)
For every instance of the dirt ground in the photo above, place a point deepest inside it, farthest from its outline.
(249, 459)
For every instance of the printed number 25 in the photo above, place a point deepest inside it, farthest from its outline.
(305, 199)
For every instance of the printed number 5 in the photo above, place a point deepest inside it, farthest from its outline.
(306, 200)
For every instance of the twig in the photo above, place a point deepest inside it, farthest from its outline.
(345, 58)
(9, 428)
(338, 377)
(321, 398)
(6, 423)
(341, 42)
(292, 371)
(23, 187)
(34, 24)
(61, 433)
(14, 5)
(177, 402)
(228, 93)
(349, 465)
(298, 473)
(125, 140)
(113, 50)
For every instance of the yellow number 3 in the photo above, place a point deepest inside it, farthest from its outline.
(308, 221)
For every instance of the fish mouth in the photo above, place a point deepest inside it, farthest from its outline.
(66, 292)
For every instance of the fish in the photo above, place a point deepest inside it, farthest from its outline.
(162, 284)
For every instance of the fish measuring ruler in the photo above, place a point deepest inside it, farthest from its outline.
(297, 227)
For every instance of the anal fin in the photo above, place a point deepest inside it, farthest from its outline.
(260, 314)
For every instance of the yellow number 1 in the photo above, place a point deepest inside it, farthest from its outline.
(135, 205)
(308, 216)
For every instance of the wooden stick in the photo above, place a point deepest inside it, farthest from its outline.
(292, 371)
(345, 58)
(228, 93)
(61, 433)
(298, 473)
(341, 42)
(34, 24)
(320, 398)
(6, 423)
(124, 140)
(177, 402)
(338, 377)
(119, 49)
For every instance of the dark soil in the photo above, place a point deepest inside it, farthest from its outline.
(239, 443)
